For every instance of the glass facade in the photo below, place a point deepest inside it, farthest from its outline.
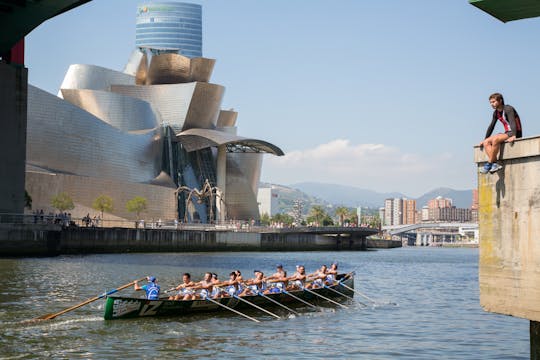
(171, 27)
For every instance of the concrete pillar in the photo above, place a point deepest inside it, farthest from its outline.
(221, 183)
(535, 340)
(13, 105)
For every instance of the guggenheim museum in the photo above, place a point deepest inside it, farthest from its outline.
(154, 130)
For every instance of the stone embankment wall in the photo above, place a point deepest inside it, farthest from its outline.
(51, 240)
(509, 224)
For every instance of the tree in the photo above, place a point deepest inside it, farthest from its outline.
(318, 215)
(62, 202)
(342, 212)
(27, 200)
(286, 219)
(136, 205)
(103, 203)
(265, 219)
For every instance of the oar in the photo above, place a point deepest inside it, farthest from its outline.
(231, 309)
(357, 292)
(52, 316)
(342, 294)
(257, 307)
(278, 303)
(301, 300)
(325, 298)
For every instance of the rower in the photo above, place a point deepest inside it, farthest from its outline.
(298, 279)
(278, 280)
(318, 278)
(331, 273)
(216, 291)
(231, 286)
(184, 290)
(151, 289)
(239, 282)
(255, 285)
(205, 286)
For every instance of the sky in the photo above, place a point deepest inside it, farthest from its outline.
(385, 95)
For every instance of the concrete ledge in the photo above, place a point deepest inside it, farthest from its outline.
(519, 149)
(509, 227)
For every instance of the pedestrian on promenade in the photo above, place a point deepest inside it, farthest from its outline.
(509, 119)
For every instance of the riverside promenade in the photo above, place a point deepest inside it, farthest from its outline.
(51, 240)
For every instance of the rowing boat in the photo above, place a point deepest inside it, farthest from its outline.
(120, 307)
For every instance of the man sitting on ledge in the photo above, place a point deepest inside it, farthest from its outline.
(509, 118)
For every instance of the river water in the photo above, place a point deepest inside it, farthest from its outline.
(426, 307)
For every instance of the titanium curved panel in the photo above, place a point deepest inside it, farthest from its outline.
(251, 165)
(180, 106)
(122, 112)
(201, 69)
(134, 62)
(168, 68)
(227, 118)
(240, 199)
(64, 138)
(93, 77)
(196, 139)
(142, 71)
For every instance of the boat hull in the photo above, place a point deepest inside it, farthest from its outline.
(117, 307)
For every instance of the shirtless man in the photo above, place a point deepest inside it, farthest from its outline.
(331, 274)
(298, 279)
(255, 285)
(278, 280)
(184, 289)
(231, 285)
(205, 286)
(318, 278)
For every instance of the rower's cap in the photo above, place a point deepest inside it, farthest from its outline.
(256, 271)
(152, 279)
(279, 266)
(335, 263)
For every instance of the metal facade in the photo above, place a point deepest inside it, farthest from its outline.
(118, 138)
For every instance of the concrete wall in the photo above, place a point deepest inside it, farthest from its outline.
(36, 239)
(509, 224)
(13, 103)
(29, 239)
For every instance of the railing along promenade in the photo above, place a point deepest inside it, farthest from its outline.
(230, 225)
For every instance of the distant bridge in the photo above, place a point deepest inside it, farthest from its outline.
(399, 229)
(433, 233)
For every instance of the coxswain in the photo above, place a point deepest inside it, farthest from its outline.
(151, 289)
(184, 289)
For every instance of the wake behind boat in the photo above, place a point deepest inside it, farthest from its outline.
(121, 307)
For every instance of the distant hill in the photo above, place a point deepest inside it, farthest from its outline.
(346, 195)
(461, 198)
(287, 196)
(352, 196)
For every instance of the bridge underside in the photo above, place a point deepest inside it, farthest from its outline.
(19, 17)
(505, 10)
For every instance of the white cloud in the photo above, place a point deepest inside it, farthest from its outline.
(376, 167)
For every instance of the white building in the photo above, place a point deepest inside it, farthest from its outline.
(267, 198)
